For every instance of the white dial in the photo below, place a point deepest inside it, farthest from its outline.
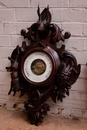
(38, 67)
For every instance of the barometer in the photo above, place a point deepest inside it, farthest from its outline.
(40, 69)
(39, 66)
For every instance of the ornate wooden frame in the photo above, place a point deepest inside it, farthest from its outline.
(43, 36)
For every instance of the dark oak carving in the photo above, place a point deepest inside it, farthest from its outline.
(43, 36)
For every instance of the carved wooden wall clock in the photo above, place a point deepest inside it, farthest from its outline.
(40, 69)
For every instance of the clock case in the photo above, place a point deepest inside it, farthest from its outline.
(43, 36)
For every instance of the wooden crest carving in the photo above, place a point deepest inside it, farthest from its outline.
(40, 69)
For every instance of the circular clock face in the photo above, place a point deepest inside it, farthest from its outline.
(38, 66)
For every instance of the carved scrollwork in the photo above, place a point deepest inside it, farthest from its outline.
(63, 72)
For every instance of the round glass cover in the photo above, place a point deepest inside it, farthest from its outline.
(38, 66)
